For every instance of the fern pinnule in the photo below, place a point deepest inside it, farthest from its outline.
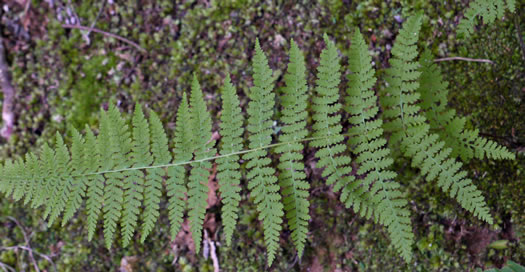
(228, 172)
(410, 128)
(78, 186)
(154, 176)
(119, 149)
(292, 177)
(42, 189)
(262, 182)
(176, 182)
(133, 184)
(202, 148)
(377, 187)
(465, 143)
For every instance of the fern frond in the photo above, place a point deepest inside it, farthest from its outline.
(154, 176)
(292, 177)
(451, 129)
(376, 182)
(133, 183)
(119, 149)
(489, 10)
(409, 125)
(262, 182)
(176, 182)
(228, 172)
(202, 148)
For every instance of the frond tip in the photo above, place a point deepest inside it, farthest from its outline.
(409, 127)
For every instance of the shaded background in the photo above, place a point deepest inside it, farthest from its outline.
(63, 77)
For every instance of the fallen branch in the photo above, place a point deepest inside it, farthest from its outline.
(106, 34)
(464, 59)
(9, 93)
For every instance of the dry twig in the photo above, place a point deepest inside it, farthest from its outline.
(464, 59)
(106, 34)
(27, 247)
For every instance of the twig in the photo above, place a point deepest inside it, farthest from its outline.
(212, 251)
(520, 38)
(464, 59)
(26, 239)
(98, 16)
(30, 250)
(9, 93)
(106, 34)
(77, 20)
(6, 267)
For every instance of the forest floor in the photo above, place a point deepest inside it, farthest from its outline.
(69, 59)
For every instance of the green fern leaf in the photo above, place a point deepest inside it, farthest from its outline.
(62, 179)
(292, 177)
(489, 10)
(78, 186)
(95, 183)
(388, 207)
(134, 181)
(42, 188)
(451, 129)
(153, 184)
(203, 148)
(32, 171)
(229, 175)
(176, 182)
(119, 149)
(327, 120)
(327, 131)
(409, 125)
(18, 185)
(262, 182)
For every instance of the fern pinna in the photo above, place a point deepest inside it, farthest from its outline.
(262, 182)
(229, 175)
(292, 176)
(122, 170)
